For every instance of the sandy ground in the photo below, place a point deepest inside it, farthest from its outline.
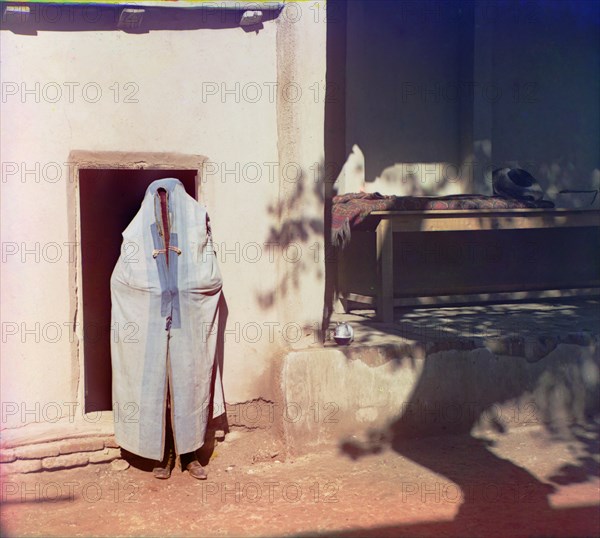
(525, 483)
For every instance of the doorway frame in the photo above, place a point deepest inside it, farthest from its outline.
(116, 160)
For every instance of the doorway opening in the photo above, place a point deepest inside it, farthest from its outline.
(109, 199)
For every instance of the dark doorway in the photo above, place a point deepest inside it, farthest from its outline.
(109, 199)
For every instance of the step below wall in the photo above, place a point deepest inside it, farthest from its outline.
(389, 392)
(55, 455)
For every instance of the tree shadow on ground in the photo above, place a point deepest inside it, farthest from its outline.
(587, 464)
(497, 497)
(568, 523)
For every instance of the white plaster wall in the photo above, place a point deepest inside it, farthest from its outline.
(301, 47)
(168, 70)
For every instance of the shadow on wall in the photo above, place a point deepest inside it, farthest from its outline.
(293, 233)
(403, 93)
(422, 91)
(444, 178)
(549, 120)
(401, 179)
(563, 174)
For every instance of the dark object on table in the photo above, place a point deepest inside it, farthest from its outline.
(516, 183)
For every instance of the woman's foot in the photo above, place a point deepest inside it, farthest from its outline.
(196, 470)
(163, 470)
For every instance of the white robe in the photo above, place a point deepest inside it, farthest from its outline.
(164, 321)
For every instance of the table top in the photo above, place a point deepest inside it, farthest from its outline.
(482, 219)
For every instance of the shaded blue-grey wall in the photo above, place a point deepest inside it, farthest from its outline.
(547, 63)
(402, 59)
(471, 85)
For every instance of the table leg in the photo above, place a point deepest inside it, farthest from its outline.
(385, 272)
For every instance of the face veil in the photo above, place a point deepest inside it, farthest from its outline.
(165, 294)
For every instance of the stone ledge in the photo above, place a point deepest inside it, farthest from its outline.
(7, 456)
(65, 462)
(34, 452)
(111, 443)
(59, 454)
(47, 432)
(81, 445)
(105, 456)
(335, 393)
(21, 466)
(531, 348)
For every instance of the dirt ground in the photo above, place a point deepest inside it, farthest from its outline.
(529, 482)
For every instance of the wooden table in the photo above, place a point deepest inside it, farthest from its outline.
(387, 223)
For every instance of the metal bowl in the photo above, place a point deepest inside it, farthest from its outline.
(342, 340)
